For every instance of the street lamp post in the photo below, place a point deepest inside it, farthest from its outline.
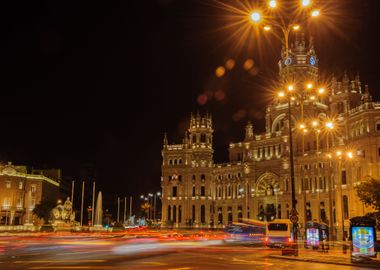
(286, 29)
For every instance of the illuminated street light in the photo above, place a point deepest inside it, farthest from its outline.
(314, 123)
(290, 88)
(255, 16)
(306, 3)
(272, 4)
(315, 13)
(141, 196)
(321, 90)
(281, 94)
(330, 125)
(296, 27)
(302, 126)
(350, 155)
(312, 97)
(339, 153)
(309, 85)
(267, 28)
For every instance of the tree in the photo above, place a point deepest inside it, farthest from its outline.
(43, 210)
(146, 207)
(368, 192)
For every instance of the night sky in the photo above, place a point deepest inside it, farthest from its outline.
(91, 87)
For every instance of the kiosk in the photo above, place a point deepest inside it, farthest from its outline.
(363, 238)
(316, 235)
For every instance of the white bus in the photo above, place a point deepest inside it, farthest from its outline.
(279, 233)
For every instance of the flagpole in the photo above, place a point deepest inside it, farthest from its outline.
(93, 203)
(125, 209)
(81, 208)
(118, 209)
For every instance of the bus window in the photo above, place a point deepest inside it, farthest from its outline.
(277, 227)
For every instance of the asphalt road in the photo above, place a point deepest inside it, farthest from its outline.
(142, 252)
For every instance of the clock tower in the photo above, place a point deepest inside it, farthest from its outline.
(302, 62)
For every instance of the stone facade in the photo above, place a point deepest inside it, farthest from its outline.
(255, 183)
(20, 191)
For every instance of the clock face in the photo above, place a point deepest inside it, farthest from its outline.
(288, 61)
(312, 60)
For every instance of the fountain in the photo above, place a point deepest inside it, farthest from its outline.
(28, 208)
(98, 222)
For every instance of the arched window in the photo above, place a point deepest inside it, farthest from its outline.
(229, 214)
(169, 213)
(220, 216)
(345, 207)
(229, 191)
(219, 191)
(179, 214)
(203, 214)
(174, 214)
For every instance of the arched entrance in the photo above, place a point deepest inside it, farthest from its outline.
(267, 192)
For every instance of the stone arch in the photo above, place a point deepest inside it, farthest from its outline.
(279, 122)
(268, 184)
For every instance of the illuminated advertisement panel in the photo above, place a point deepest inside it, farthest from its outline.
(312, 237)
(363, 242)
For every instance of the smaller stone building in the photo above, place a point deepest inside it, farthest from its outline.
(21, 190)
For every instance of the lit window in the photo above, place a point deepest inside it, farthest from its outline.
(33, 188)
(20, 185)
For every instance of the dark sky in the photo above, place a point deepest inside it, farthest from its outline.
(91, 86)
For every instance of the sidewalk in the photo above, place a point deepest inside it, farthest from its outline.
(333, 256)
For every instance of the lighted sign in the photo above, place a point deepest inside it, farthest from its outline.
(363, 241)
(312, 237)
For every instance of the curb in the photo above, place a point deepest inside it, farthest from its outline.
(377, 266)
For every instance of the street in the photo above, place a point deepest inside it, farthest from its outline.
(141, 250)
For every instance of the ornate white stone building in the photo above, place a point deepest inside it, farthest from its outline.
(255, 183)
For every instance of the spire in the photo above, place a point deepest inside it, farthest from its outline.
(248, 131)
(358, 84)
(311, 45)
(367, 98)
(165, 140)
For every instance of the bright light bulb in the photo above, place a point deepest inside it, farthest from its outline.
(272, 3)
(306, 3)
(315, 13)
(309, 85)
(315, 123)
(350, 155)
(281, 94)
(338, 153)
(330, 125)
(255, 16)
(302, 126)
(290, 87)
(321, 90)
(296, 27)
(267, 28)
(312, 98)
